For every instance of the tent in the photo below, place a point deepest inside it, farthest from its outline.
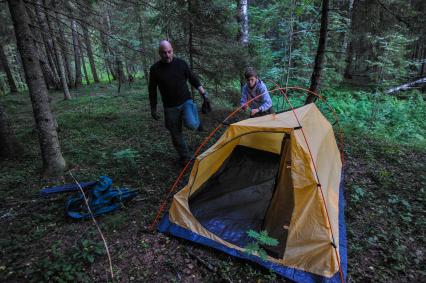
(281, 173)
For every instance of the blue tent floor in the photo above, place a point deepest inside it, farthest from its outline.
(288, 272)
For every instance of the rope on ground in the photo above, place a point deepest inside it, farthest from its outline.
(96, 224)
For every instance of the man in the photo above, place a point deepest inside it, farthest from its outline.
(170, 75)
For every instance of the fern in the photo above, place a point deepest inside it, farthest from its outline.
(260, 239)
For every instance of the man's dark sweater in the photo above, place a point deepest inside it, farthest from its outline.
(171, 80)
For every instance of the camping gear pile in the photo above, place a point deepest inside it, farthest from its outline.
(101, 197)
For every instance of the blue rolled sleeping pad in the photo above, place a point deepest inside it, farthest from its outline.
(101, 196)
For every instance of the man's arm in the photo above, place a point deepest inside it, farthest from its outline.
(202, 91)
(152, 89)
(266, 99)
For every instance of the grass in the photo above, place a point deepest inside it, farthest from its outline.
(103, 133)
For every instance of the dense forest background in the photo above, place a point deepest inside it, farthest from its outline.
(377, 43)
(73, 96)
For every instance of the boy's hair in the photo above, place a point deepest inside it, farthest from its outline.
(250, 72)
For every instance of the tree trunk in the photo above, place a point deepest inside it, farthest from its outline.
(113, 72)
(191, 46)
(120, 73)
(107, 71)
(56, 51)
(77, 54)
(9, 146)
(120, 69)
(407, 86)
(190, 39)
(20, 78)
(133, 70)
(146, 74)
(346, 34)
(48, 75)
(48, 44)
(350, 49)
(57, 54)
(2, 87)
(64, 50)
(86, 75)
(319, 58)
(243, 35)
(349, 59)
(128, 72)
(144, 60)
(62, 73)
(415, 50)
(6, 67)
(90, 53)
(106, 29)
(53, 162)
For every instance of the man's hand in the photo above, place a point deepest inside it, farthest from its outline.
(206, 108)
(205, 95)
(254, 112)
(154, 114)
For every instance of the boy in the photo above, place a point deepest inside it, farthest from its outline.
(260, 106)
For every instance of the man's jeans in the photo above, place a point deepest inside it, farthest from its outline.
(174, 116)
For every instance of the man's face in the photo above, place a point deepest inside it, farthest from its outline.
(166, 53)
(251, 81)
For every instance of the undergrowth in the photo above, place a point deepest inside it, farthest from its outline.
(105, 133)
(383, 117)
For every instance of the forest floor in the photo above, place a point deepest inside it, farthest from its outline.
(103, 133)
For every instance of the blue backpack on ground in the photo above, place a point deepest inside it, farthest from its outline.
(101, 196)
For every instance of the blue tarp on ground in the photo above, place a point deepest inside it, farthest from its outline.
(287, 272)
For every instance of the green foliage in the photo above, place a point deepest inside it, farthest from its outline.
(126, 155)
(88, 251)
(376, 114)
(385, 117)
(391, 65)
(270, 48)
(357, 194)
(126, 160)
(260, 239)
(60, 266)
